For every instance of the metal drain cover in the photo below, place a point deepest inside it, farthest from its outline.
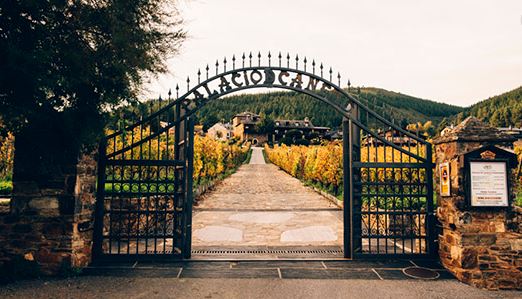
(267, 251)
(420, 273)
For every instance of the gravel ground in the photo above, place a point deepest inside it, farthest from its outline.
(124, 287)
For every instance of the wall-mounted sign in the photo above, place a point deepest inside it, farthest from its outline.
(445, 185)
(488, 184)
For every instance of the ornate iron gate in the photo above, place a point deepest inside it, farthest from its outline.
(145, 188)
(144, 199)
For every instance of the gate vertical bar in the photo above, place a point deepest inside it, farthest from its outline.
(100, 201)
(189, 195)
(181, 208)
(430, 216)
(355, 179)
(347, 192)
(177, 193)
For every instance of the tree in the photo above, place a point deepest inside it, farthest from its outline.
(65, 64)
(266, 126)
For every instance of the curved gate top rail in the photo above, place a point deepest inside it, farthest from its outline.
(144, 200)
(249, 72)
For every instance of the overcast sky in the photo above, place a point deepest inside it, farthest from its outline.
(457, 52)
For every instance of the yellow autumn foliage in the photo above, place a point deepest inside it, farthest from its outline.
(323, 164)
(211, 157)
(6, 156)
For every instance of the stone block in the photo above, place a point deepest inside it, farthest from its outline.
(516, 244)
(486, 239)
(45, 206)
(469, 258)
(469, 239)
(21, 228)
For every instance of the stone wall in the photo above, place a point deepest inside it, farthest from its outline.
(482, 247)
(50, 224)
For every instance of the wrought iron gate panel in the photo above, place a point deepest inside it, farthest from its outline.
(392, 190)
(144, 199)
(145, 188)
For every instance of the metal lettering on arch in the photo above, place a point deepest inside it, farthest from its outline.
(144, 196)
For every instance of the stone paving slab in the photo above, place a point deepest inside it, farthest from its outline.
(278, 264)
(389, 274)
(267, 228)
(328, 274)
(389, 264)
(319, 269)
(237, 273)
(261, 205)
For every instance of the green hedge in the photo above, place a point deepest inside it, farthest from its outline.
(6, 187)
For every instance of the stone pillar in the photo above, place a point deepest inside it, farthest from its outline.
(481, 247)
(49, 225)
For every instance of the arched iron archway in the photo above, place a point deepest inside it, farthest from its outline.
(144, 196)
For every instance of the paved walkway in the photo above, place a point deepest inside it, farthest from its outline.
(260, 205)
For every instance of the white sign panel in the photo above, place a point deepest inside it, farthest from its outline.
(488, 184)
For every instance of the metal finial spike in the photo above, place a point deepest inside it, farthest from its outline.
(258, 58)
(297, 61)
(217, 66)
(313, 66)
(169, 93)
(305, 61)
(269, 58)
(250, 59)
(199, 76)
(233, 61)
(279, 57)
(225, 64)
(321, 68)
(338, 78)
(287, 59)
(243, 60)
(330, 71)
(188, 83)
(207, 69)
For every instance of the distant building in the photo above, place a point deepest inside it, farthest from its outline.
(221, 131)
(391, 135)
(334, 135)
(515, 132)
(304, 128)
(245, 128)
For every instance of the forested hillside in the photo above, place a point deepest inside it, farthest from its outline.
(501, 111)
(290, 105)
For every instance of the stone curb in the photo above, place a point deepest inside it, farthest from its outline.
(328, 196)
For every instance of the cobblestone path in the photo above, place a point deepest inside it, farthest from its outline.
(260, 205)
